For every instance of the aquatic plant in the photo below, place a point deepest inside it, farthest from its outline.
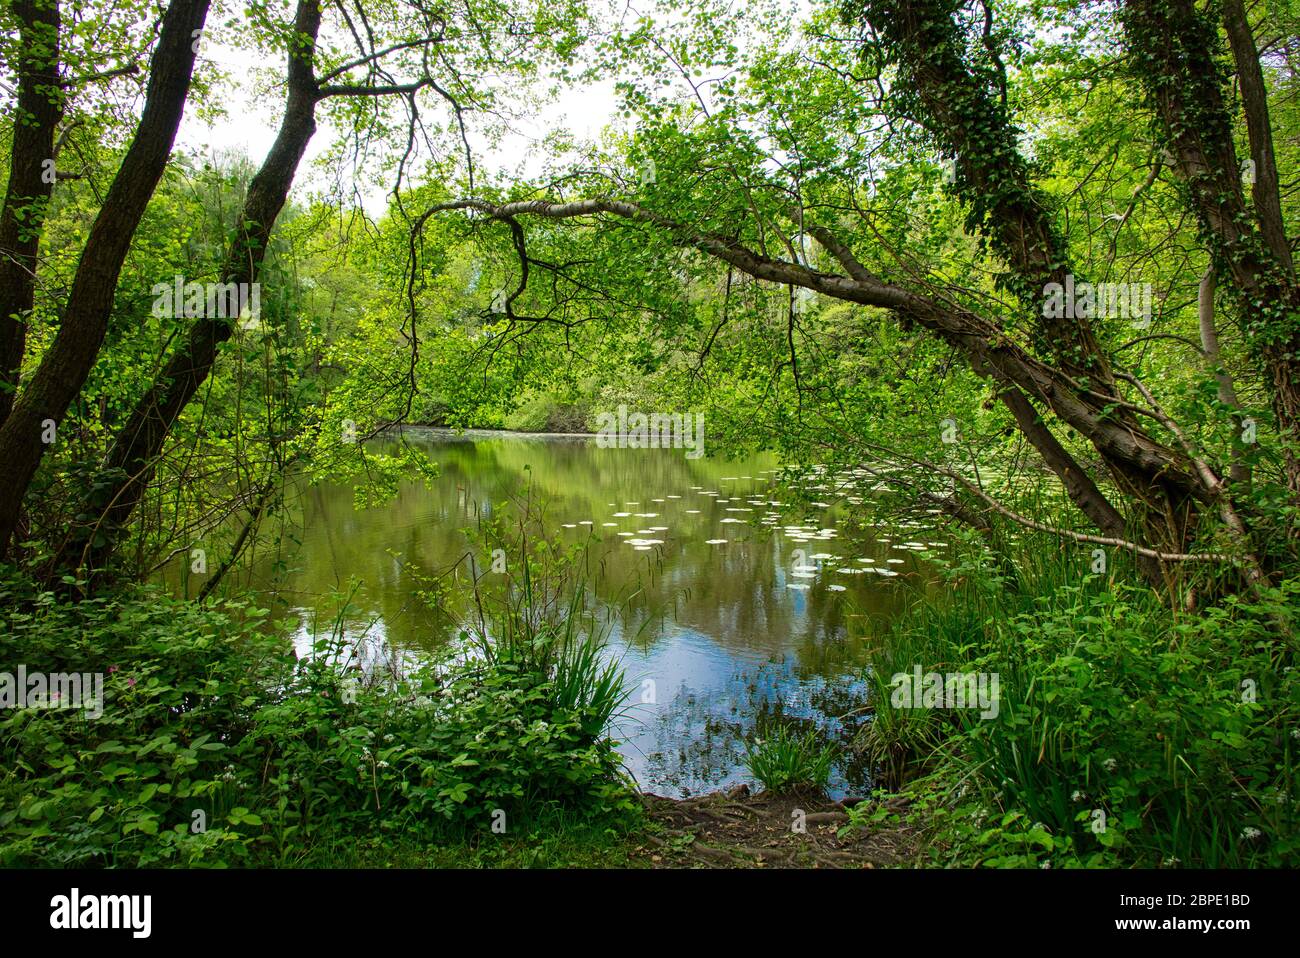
(784, 760)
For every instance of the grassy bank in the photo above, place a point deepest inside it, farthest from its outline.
(1127, 733)
(217, 746)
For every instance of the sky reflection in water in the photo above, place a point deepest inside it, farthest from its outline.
(732, 633)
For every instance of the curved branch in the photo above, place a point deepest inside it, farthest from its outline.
(986, 347)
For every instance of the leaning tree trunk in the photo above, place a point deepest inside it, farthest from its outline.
(1178, 45)
(139, 442)
(31, 182)
(970, 122)
(44, 401)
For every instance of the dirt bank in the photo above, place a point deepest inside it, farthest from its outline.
(738, 830)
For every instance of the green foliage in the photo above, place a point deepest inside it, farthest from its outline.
(544, 412)
(1126, 734)
(788, 761)
(180, 683)
(217, 746)
(554, 838)
(1113, 702)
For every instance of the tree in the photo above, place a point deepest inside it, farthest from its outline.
(941, 75)
(42, 403)
(420, 39)
(38, 111)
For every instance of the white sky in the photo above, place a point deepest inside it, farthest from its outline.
(251, 123)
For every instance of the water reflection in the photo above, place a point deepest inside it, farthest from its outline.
(743, 599)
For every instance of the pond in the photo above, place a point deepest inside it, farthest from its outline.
(751, 603)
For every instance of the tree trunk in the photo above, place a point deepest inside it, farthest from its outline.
(138, 444)
(1238, 471)
(1178, 46)
(31, 182)
(958, 107)
(44, 402)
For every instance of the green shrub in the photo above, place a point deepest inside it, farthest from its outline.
(179, 683)
(431, 409)
(787, 761)
(1126, 734)
(217, 746)
(545, 412)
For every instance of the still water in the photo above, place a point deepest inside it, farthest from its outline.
(753, 600)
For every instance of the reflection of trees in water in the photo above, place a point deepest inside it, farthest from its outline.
(424, 526)
(360, 646)
(735, 597)
(731, 591)
(696, 743)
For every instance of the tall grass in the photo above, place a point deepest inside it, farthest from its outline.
(787, 761)
(541, 624)
(1128, 732)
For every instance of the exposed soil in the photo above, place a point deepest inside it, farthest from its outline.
(737, 830)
